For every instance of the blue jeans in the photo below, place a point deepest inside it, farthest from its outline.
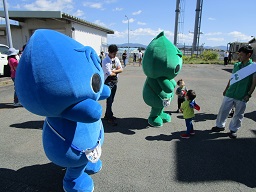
(15, 95)
(189, 125)
(124, 60)
(110, 100)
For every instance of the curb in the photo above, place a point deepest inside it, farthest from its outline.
(5, 81)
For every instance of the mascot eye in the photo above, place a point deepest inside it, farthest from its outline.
(177, 69)
(96, 82)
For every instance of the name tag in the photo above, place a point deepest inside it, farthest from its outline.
(93, 155)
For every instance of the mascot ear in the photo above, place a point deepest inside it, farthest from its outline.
(90, 55)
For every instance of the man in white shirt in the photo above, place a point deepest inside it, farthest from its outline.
(111, 66)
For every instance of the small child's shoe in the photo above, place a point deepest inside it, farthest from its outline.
(192, 132)
(185, 136)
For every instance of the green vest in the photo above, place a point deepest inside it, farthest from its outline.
(241, 88)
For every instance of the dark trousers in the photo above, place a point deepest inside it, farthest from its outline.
(180, 100)
(225, 60)
(189, 125)
(110, 99)
(15, 100)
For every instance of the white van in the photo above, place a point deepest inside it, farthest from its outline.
(4, 67)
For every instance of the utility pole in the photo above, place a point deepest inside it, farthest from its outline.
(176, 22)
(128, 39)
(197, 32)
(8, 29)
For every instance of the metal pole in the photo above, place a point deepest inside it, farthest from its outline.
(8, 29)
(176, 22)
(128, 39)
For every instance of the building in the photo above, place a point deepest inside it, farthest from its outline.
(235, 46)
(86, 33)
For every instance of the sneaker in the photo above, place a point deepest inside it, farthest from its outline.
(217, 129)
(192, 132)
(231, 114)
(185, 136)
(232, 134)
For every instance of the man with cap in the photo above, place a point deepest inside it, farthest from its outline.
(237, 92)
(13, 63)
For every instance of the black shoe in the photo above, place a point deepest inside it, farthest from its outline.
(107, 118)
(217, 129)
(231, 114)
(232, 134)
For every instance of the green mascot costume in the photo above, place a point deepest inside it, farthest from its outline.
(161, 63)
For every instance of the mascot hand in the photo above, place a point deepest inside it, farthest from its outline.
(87, 111)
(166, 102)
(105, 92)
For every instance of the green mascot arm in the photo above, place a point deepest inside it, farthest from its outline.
(166, 84)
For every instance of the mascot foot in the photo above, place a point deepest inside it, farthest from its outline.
(165, 117)
(92, 168)
(155, 121)
(83, 183)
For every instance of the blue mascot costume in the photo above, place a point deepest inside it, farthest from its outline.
(61, 79)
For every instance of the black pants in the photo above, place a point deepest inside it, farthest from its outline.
(225, 60)
(180, 100)
(110, 99)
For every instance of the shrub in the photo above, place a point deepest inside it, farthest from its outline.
(209, 55)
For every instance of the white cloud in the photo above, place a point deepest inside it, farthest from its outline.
(93, 5)
(211, 19)
(78, 13)
(98, 22)
(141, 23)
(45, 5)
(215, 39)
(131, 20)
(213, 33)
(137, 12)
(118, 9)
(238, 36)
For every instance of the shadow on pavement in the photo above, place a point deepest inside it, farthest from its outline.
(7, 106)
(126, 125)
(200, 136)
(251, 115)
(202, 158)
(201, 117)
(40, 178)
(29, 125)
(217, 160)
(228, 70)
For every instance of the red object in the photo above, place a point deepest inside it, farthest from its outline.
(197, 107)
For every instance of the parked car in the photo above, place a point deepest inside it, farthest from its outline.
(4, 67)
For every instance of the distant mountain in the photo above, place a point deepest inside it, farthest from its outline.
(134, 45)
(221, 47)
(137, 45)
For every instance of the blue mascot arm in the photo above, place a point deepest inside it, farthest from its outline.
(87, 111)
(105, 92)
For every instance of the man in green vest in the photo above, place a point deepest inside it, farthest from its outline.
(238, 92)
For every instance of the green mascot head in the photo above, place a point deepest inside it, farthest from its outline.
(161, 63)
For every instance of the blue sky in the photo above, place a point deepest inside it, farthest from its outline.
(223, 21)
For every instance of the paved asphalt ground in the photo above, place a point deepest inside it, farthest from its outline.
(136, 157)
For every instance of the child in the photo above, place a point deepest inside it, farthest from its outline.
(187, 108)
(181, 92)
